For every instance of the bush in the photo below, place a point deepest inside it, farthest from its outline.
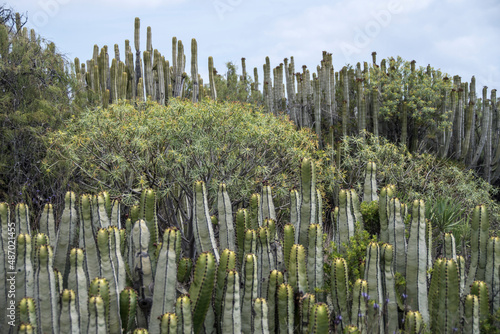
(126, 148)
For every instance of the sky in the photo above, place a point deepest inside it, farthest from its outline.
(459, 37)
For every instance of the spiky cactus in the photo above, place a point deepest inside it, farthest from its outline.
(492, 272)
(184, 315)
(286, 309)
(45, 291)
(359, 304)
(370, 185)
(265, 260)
(386, 193)
(227, 263)
(288, 242)
(69, 319)
(397, 238)
(202, 225)
(97, 315)
(231, 314)
(373, 275)
(471, 315)
(201, 289)
(414, 322)
(242, 222)
(479, 241)
(480, 289)
(259, 313)
(297, 271)
(25, 268)
(307, 208)
(168, 323)
(390, 306)
(78, 282)
(340, 292)
(226, 226)
(128, 309)
(87, 238)
(249, 290)
(48, 224)
(276, 278)
(315, 262)
(27, 312)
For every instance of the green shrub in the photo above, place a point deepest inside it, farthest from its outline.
(370, 212)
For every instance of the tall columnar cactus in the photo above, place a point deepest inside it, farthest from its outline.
(479, 241)
(492, 273)
(184, 315)
(201, 288)
(226, 226)
(297, 271)
(265, 260)
(319, 321)
(390, 309)
(260, 311)
(315, 262)
(356, 208)
(386, 194)
(69, 319)
(461, 273)
(231, 314)
(22, 218)
(397, 238)
(250, 243)
(242, 222)
(370, 185)
(373, 275)
(249, 290)
(288, 242)
(359, 304)
(227, 262)
(286, 309)
(24, 268)
(87, 237)
(471, 314)
(294, 208)
(168, 323)
(45, 292)
(184, 269)
(345, 221)
(416, 262)
(128, 309)
(100, 211)
(97, 315)
(48, 224)
(449, 248)
(78, 282)
(202, 225)
(414, 322)
(148, 213)
(445, 318)
(340, 292)
(305, 304)
(267, 204)
(255, 211)
(275, 280)
(165, 282)
(307, 208)
(480, 289)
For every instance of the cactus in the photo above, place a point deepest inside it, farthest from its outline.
(445, 311)
(69, 320)
(249, 291)
(227, 262)
(242, 222)
(305, 305)
(265, 260)
(184, 269)
(492, 272)
(275, 280)
(165, 282)
(202, 226)
(45, 291)
(22, 219)
(201, 288)
(359, 304)
(390, 310)
(449, 248)
(128, 309)
(370, 185)
(250, 243)
(297, 271)
(383, 203)
(315, 263)
(27, 312)
(340, 291)
(373, 276)
(345, 222)
(260, 311)
(461, 273)
(471, 315)
(78, 282)
(231, 314)
(319, 319)
(168, 323)
(286, 308)
(24, 268)
(267, 205)
(416, 262)
(100, 287)
(480, 289)
(97, 315)
(414, 322)
(479, 242)
(255, 206)
(148, 213)
(184, 315)
(87, 239)
(288, 241)
(226, 226)
(397, 238)
(355, 208)
(307, 207)
(294, 208)
(47, 224)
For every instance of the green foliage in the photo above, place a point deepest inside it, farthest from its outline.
(370, 213)
(444, 214)
(231, 87)
(126, 148)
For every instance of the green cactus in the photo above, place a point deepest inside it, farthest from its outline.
(87, 239)
(445, 317)
(480, 289)
(359, 304)
(265, 260)
(78, 282)
(128, 309)
(461, 273)
(249, 291)
(386, 193)
(97, 315)
(242, 222)
(479, 241)
(250, 243)
(294, 208)
(165, 282)
(184, 315)
(148, 213)
(414, 322)
(69, 319)
(288, 241)
(27, 312)
(22, 219)
(26, 329)
(100, 287)
(319, 208)
(449, 248)
(47, 224)
(260, 312)
(286, 309)
(227, 262)
(307, 208)
(396, 233)
(267, 204)
(45, 291)
(315, 262)
(168, 323)
(471, 314)
(416, 262)
(184, 269)
(492, 272)
(276, 278)
(373, 275)
(231, 314)
(256, 218)
(319, 319)
(297, 271)
(24, 268)
(226, 226)
(305, 305)
(201, 288)
(370, 185)
(340, 292)
(202, 226)
(345, 220)
(390, 309)
(356, 208)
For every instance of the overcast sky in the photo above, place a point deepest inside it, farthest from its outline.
(459, 37)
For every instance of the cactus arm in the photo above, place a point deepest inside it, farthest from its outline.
(267, 204)
(227, 262)
(319, 319)
(45, 292)
(78, 282)
(184, 315)
(128, 309)
(265, 260)
(286, 308)
(471, 314)
(201, 288)
(307, 208)
(97, 315)
(315, 263)
(275, 280)
(168, 323)
(69, 319)
(27, 312)
(226, 226)
(249, 290)
(492, 272)
(202, 225)
(370, 185)
(231, 319)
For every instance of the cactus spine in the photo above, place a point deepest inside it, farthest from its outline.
(168, 323)
(319, 319)
(97, 315)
